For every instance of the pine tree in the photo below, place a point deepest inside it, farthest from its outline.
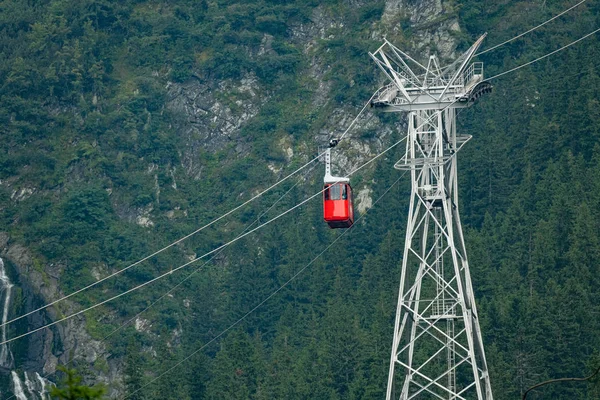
(133, 371)
(71, 388)
(238, 368)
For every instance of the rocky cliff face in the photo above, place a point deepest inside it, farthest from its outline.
(46, 349)
(211, 116)
(433, 23)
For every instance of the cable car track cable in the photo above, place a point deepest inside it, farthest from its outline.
(247, 233)
(530, 30)
(544, 56)
(268, 189)
(118, 272)
(230, 212)
(233, 325)
(187, 277)
(28, 333)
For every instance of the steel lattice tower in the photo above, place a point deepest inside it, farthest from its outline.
(437, 351)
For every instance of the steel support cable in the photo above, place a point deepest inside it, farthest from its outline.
(253, 230)
(359, 114)
(118, 272)
(203, 265)
(197, 258)
(190, 274)
(259, 194)
(300, 271)
(304, 268)
(531, 30)
(214, 255)
(160, 250)
(544, 56)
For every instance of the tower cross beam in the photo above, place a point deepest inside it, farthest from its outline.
(432, 326)
(427, 331)
(464, 359)
(428, 390)
(432, 381)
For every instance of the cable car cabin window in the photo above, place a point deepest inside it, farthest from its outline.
(344, 192)
(326, 192)
(333, 193)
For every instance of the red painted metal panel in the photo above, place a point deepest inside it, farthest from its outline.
(336, 210)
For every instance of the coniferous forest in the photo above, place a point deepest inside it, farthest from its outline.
(127, 125)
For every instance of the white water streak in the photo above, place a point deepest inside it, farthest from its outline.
(35, 386)
(17, 387)
(6, 357)
(44, 384)
(29, 385)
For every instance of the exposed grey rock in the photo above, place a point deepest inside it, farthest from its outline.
(210, 117)
(3, 241)
(266, 45)
(62, 343)
(22, 194)
(142, 325)
(143, 217)
(99, 271)
(433, 24)
(19, 255)
(363, 199)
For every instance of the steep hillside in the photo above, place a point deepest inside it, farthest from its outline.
(127, 125)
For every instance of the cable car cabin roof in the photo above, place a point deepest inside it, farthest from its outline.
(338, 211)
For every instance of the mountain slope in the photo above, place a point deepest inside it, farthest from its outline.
(128, 125)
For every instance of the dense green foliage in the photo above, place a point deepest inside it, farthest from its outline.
(83, 121)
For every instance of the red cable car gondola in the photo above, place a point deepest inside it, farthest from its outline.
(337, 205)
(338, 211)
